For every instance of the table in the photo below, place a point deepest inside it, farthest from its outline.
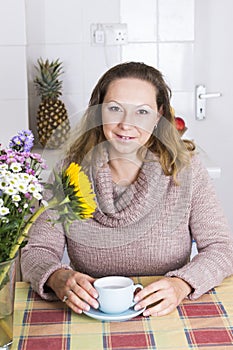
(205, 324)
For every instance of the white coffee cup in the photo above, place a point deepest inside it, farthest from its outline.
(116, 293)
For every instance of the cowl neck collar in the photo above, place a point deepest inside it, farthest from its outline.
(120, 206)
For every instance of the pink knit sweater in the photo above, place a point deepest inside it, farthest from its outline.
(144, 229)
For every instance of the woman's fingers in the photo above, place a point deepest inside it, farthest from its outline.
(162, 297)
(155, 297)
(80, 295)
(75, 289)
(161, 309)
(151, 288)
(85, 282)
(81, 292)
(75, 302)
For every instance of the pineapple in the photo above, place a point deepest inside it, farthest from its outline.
(52, 120)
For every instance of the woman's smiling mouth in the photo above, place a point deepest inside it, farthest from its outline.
(124, 137)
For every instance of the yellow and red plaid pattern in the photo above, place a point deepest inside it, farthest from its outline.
(205, 324)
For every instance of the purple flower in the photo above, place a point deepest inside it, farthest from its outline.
(36, 156)
(32, 210)
(22, 142)
(28, 196)
(30, 171)
(20, 159)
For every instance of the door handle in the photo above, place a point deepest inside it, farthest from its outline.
(210, 95)
(201, 97)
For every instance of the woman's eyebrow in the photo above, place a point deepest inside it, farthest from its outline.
(130, 104)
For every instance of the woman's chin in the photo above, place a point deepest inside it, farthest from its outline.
(124, 148)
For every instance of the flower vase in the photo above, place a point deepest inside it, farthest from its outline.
(7, 295)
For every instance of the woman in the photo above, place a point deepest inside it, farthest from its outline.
(153, 197)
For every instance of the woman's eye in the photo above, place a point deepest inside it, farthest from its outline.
(142, 111)
(114, 108)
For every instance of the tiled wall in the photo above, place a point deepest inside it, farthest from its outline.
(161, 33)
(13, 72)
(61, 29)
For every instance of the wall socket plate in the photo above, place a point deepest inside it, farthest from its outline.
(109, 34)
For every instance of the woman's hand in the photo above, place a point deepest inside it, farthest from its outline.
(167, 293)
(77, 287)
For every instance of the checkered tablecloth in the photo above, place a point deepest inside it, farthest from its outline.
(205, 324)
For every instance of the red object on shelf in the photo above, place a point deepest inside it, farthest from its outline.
(180, 123)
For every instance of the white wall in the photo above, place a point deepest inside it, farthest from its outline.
(61, 28)
(13, 73)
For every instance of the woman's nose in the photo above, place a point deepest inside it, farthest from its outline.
(127, 120)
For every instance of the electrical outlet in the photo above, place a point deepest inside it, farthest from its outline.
(109, 34)
(97, 34)
(116, 34)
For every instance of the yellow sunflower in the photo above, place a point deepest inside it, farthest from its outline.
(82, 190)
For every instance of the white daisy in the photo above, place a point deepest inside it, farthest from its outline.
(25, 177)
(3, 184)
(16, 198)
(10, 190)
(4, 211)
(15, 167)
(3, 166)
(37, 195)
(22, 187)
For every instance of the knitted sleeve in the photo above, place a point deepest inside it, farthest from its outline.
(211, 232)
(43, 254)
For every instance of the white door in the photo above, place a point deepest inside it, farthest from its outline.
(213, 62)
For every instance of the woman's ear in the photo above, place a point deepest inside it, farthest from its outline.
(160, 110)
(160, 113)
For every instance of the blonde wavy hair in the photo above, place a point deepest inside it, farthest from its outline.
(165, 142)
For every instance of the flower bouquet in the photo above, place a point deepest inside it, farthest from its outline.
(21, 203)
(21, 191)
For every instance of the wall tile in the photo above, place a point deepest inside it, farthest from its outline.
(146, 53)
(35, 19)
(176, 20)
(141, 19)
(13, 82)
(33, 103)
(12, 23)
(101, 11)
(63, 21)
(33, 53)
(97, 61)
(14, 117)
(176, 63)
(183, 103)
(74, 106)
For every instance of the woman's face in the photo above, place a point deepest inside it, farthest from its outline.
(129, 114)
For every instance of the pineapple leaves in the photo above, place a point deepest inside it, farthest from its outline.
(47, 81)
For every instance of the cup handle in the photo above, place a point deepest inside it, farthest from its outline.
(136, 286)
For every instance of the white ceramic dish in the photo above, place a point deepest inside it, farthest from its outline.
(124, 316)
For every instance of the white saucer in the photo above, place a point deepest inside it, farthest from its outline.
(99, 315)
